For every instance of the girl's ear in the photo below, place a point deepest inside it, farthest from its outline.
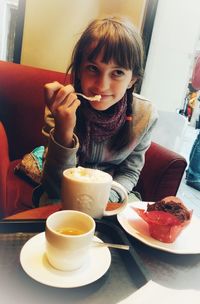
(132, 82)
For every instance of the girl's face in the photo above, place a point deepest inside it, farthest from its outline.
(106, 79)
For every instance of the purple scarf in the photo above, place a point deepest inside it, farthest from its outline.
(99, 125)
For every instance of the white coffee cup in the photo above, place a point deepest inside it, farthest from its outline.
(69, 235)
(88, 190)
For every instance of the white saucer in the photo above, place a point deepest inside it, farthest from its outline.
(34, 262)
(188, 242)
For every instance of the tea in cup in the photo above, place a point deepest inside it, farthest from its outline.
(69, 235)
(87, 190)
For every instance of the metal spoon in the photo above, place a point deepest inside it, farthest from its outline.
(117, 246)
(90, 98)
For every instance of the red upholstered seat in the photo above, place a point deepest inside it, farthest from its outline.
(21, 121)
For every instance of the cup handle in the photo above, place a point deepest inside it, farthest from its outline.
(122, 191)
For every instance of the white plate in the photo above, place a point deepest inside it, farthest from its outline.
(188, 242)
(34, 262)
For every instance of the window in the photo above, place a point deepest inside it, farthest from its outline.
(8, 18)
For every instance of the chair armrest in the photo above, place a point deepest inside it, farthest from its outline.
(161, 174)
(4, 165)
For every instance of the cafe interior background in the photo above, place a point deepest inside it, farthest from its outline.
(43, 33)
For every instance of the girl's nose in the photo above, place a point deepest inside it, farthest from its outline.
(102, 83)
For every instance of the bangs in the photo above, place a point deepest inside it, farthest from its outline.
(115, 40)
(114, 48)
(116, 43)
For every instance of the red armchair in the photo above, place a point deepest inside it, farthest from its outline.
(21, 121)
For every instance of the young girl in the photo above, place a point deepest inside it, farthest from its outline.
(112, 134)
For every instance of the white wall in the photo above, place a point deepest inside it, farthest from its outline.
(171, 54)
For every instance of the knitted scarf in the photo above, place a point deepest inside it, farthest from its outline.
(99, 126)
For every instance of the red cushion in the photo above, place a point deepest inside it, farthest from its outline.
(18, 192)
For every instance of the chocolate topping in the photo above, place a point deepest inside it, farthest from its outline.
(171, 205)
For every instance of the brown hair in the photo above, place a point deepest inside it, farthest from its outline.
(120, 41)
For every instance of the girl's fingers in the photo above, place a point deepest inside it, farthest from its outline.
(70, 110)
(64, 101)
(56, 95)
(51, 88)
(63, 92)
(69, 100)
(75, 104)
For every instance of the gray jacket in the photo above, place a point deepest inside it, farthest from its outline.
(125, 166)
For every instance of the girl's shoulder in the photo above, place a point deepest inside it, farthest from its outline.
(140, 97)
(143, 106)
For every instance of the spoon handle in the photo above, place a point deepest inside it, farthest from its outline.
(80, 94)
(117, 246)
(90, 98)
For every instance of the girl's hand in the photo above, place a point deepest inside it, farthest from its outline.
(63, 103)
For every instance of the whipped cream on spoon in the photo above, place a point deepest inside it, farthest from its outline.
(90, 98)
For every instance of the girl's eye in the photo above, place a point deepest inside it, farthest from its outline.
(92, 68)
(118, 73)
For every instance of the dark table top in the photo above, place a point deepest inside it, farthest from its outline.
(177, 271)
